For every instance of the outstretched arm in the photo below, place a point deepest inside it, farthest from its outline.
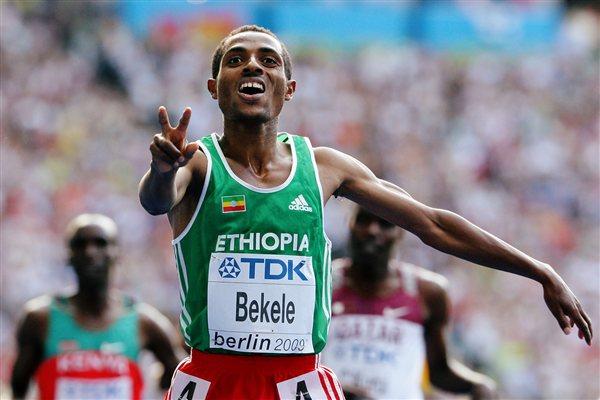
(444, 373)
(172, 168)
(31, 331)
(446, 231)
(157, 335)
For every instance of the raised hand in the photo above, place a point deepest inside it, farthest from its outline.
(170, 149)
(566, 308)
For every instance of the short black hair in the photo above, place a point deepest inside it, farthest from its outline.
(220, 50)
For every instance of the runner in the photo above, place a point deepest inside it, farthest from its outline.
(86, 346)
(247, 217)
(388, 318)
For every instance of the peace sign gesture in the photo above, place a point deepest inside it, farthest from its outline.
(170, 149)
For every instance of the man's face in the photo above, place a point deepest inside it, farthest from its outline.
(251, 84)
(372, 240)
(93, 250)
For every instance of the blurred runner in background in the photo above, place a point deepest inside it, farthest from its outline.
(388, 318)
(86, 345)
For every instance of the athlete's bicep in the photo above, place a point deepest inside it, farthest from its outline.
(345, 176)
(192, 174)
(158, 335)
(437, 303)
(183, 178)
(189, 182)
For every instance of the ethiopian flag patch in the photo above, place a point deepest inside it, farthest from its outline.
(233, 203)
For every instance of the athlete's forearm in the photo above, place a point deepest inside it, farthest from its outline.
(455, 235)
(457, 378)
(442, 229)
(158, 191)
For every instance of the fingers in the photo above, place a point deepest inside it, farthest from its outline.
(159, 164)
(188, 152)
(165, 155)
(567, 310)
(570, 314)
(167, 147)
(184, 120)
(163, 120)
(175, 135)
(190, 149)
(586, 318)
(582, 324)
(561, 318)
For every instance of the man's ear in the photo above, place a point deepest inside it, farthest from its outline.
(212, 88)
(291, 89)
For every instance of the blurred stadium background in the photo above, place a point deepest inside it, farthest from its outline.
(488, 108)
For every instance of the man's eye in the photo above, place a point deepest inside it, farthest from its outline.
(101, 242)
(234, 60)
(269, 60)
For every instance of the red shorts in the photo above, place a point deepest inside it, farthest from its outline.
(217, 376)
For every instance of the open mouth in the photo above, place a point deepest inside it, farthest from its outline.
(251, 90)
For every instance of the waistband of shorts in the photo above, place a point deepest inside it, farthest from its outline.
(255, 363)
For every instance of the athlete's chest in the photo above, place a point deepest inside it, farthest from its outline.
(267, 175)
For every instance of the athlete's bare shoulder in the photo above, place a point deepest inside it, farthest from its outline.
(152, 321)
(34, 321)
(327, 160)
(433, 290)
(340, 264)
(339, 267)
(147, 313)
(333, 161)
(335, 168)
(426, 277)
(198, 164)
(38, 306)
(158, 335)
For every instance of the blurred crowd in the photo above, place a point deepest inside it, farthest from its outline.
(508, 141)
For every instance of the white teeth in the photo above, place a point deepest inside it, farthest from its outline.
(252, 84)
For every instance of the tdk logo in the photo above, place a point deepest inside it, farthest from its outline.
(274, 268)
(300, 204)
(229, 268)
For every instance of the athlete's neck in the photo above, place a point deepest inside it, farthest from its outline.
(253, 145)
(92, 300)
(367, 283)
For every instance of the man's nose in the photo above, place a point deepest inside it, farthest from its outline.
(90, 250)
(374, 228)
(253, 66)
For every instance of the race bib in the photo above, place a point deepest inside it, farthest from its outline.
(383, 356)
(94, 389)
(261, 303)
(303, 387)
(188, 387)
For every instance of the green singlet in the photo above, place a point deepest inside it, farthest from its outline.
(90, 364)
(254, 263)
(64, 334)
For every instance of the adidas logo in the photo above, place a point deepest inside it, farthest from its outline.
(300, 204)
